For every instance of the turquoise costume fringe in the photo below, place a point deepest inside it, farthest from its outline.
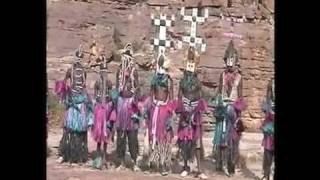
(189, 79)
(268, 128)
(79, 114)
(219, 113)
(226, 135)
(114, 94)
(160, 80)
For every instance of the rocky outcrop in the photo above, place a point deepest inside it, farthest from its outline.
(158, 2)
(72, 23)
(258, 67)
(202, 3)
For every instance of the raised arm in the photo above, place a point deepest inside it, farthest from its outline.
(85, 79)
(269, 91)
(108, 60)
(200, 88)
(136, 84)
(152, 90)
(180, 90)
(68, 75)
(95, 89)
(170, 88)
(117, 78)
(240, 87)
(240, 94)
(220, 84)
(109, 85)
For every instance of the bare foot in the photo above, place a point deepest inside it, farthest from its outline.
(136, 168)
(202, 176)
(59, 160)
(164, 173)
(120, 168)
(184, 173)
(226, 172)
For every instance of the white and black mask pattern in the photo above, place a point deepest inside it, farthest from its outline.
(161, 64)
(127, 61)
(231, 55)
(126, 57)
(79, 54)
(191, 66)
(230, 61)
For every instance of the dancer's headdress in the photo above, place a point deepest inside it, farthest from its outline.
(192, 59)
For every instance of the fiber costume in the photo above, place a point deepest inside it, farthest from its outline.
(160, 105)
(268, 130)
(229, 105)
(104, 113)
(78, 117)
(190, 107)
(127, 122)
(159, 117)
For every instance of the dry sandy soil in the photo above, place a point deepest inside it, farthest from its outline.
(250, 151)
(70, 23)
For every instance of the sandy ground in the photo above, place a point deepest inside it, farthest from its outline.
(250, 149)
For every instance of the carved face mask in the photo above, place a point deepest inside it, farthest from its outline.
(162, 64)
(128, 48)
(231, 56)
(191, 66)
(191, 56)
(127, 61)
(79, 54)
(230, 61)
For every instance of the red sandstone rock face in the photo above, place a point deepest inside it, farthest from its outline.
(71, 23)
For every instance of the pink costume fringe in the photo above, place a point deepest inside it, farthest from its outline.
(159, 117)
(103, 114)
(239, 104)
(125, 109)
(61, 89)
(268, 140)
(195, 132)
(229, 78)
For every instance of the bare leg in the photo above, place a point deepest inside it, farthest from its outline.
(98, 147)
(163, 170)
(186, 152)
(198, 155)
(267, 162)
(104, 154)
(185, 147)
(121, 147)
(201, 175)
(219, 159)
(105, 149)
(224, 156)
(185, 167)
(134, 147)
